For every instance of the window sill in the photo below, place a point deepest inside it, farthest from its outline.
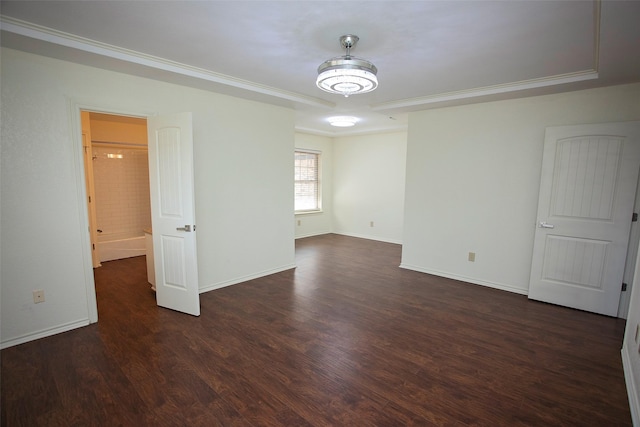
(317, 211)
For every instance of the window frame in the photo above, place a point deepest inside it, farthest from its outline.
(318, 181)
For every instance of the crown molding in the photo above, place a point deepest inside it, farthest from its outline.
(488, 90)
(61, 38)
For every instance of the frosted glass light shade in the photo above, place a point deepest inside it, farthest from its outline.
(347, 76)
(343, 121)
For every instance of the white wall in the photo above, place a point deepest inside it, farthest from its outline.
(368, 185)
(312, 224)
(473, 178)
(354, 193)
(243, 174)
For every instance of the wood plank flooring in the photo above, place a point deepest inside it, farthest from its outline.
(346, 339)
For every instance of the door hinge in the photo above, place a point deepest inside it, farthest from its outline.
(94, 246)
(624, 287)
(634, 217)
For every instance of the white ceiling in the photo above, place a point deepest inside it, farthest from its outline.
(428, 53)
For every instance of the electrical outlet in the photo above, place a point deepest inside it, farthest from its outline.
(371, 224)
(38, 296)
(472, 256)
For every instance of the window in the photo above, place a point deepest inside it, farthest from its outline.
(307, 181)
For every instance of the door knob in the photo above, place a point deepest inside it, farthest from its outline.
(185, 228)
(543, 224)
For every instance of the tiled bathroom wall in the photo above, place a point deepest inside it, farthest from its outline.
(121, 177)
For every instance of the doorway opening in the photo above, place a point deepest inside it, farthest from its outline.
(117, 182)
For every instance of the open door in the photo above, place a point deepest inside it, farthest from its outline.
(585, 207)
(173, 212)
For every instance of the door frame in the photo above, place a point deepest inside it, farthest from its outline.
(75, 108)
(87, 153)
(630, 264)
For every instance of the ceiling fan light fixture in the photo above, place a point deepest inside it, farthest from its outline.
(342, 121)
(347, 75)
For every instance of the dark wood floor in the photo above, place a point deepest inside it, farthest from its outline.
(346, 339)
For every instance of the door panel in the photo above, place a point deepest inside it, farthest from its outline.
(579, 262)
(173, 212)
(585, 206)
(585, 177)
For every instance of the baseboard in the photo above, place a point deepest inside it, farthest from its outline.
(495, 285)
(44, 333)
(368, 237)
(320, 233)
(629, 379)
(235, 281)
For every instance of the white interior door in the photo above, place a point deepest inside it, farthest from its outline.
(173, 212)
(585, 207)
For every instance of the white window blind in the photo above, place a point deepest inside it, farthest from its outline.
(307, 181)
